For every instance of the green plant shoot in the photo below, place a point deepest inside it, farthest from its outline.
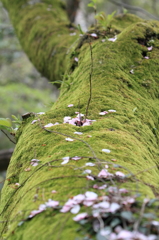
(104, 20)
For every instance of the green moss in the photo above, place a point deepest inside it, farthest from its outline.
(131, 133)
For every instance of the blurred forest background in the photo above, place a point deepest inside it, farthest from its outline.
(22, 88)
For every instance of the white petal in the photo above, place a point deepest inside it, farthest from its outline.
(90, 164)
(69, 139)
(75, 209)
(106, 150)
(78, 133)
(111, 110)
(49, 125)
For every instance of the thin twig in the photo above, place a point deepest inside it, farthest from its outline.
(8, 137)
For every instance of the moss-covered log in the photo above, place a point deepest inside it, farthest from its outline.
(103, 74)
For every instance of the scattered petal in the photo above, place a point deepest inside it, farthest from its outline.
(27, 169)
(76, 158)
(34, 162)
(94, 35)
(41, 113)
(53, 191)
(66, 160)
(103, 174)
(89, 136)
(78, 133)
(103, 40)
(79, 198)
(106, 150)
(149, 48)
(51, 203)
(111, 110)
(75, 209)
(76, 59)
(80, 216)
(70, 105)
(132, 71)
(112, 39)
(69, 139)
(34, 121)
(114, 160)
(90, 178)
(120, 174)
(17, 184)
(87, 171)
(90, 164)
(114, 207)
(146, 57)
(91, 196)
(66, 119)
(49, 125)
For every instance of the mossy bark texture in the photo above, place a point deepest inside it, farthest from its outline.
(121, 75)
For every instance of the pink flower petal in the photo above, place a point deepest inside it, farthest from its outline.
(150, 48)
(80, 216)
(49, 125)
(70, 105)
(75, 209)
(90, 178)
(69, 139)
(52, 203)
(76, 158)
(120, 174)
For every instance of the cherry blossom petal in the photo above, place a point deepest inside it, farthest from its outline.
(132, 71)
(70, 105)
(87, 171)
(91, 195)
(124, 234)
(66, 119)
(76, 59)
(78, 133)
(41, 113)
(75, 209)
(150, 48)
(69, 139)
(120, 174)
(52, 203)
(111, 110)
(106, 150)
(114, 207)
(103, 173)
(17, 184)
(90, 164)
(90, 178)
(34, 121)
(146, 57)
(53, 191)
(66, 160)
(76, 158)
(49, 125)
(112, 39)
(80, 216)
(79, 198)
(94, 35)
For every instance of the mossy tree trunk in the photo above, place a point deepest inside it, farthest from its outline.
(100, 75)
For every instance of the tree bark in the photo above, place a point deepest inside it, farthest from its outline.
(101, 75)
